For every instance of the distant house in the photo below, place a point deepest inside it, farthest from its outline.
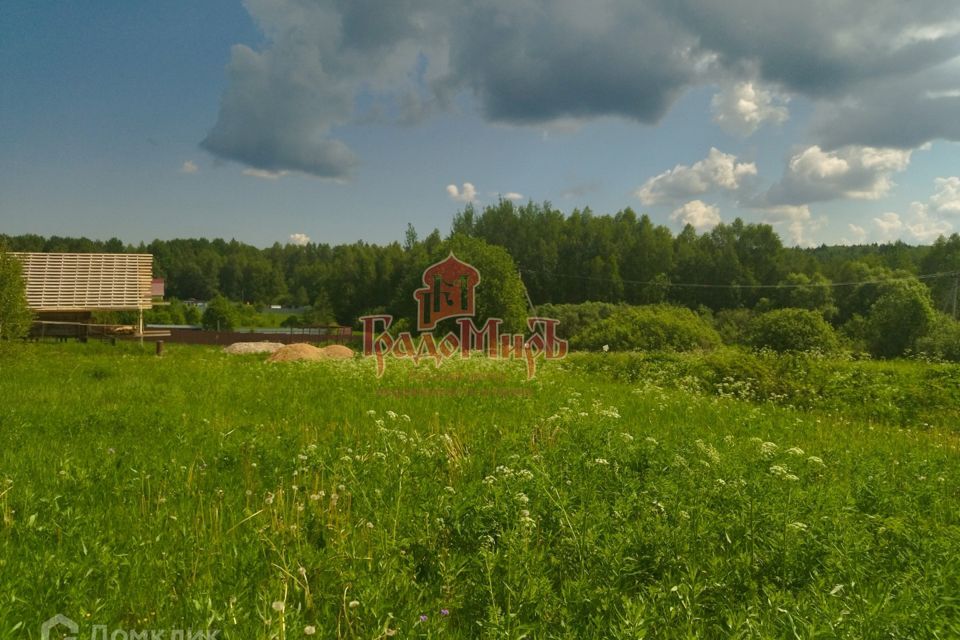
(65, 289)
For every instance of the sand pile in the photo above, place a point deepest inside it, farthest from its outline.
(301, 351)
(337, 351)
(240, 348)
(298, 351)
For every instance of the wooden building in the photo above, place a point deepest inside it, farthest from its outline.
(65, 289)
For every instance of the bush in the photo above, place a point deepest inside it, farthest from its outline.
(220, 315)
(792, 330)
(650, 328)
(576, 317)
(14, 313)
(901, 315)
(943, 340)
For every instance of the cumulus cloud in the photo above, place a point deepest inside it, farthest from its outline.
(468, 193)
(796, 220)
(859, 233)
(512, 195)
(717, 171)
(947, 197)
(744, 107)
(299, 239)
(189, 166)
(879, 74)
(698, 214)
(815, 175)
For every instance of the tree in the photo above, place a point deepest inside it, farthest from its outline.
(901, 315)
(220, 315)
(14, 313)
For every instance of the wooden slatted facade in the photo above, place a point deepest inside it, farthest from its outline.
(78, 282)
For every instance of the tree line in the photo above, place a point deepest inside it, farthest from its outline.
(562, 258)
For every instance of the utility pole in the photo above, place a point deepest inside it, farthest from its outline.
(956, 287)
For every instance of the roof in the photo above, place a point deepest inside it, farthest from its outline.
(87, 281)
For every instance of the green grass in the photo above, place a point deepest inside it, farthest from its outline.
(600, 500)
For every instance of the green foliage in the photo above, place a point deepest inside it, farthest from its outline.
(652, 327)
(733, 325)
(574, 318)
(791, 330)
(15, 316)
(220, 315)
(901, 315)
(943, 339)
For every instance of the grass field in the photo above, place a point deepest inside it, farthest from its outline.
(610, 497)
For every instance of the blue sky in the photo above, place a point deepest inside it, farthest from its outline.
(344, 121)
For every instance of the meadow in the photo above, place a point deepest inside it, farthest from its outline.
(613, 496)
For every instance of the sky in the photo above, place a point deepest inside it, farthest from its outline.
(335, 121)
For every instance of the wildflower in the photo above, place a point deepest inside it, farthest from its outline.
(601, 461)
(354, 604)
(652, 441)
(392, 415)
(369, 525)
(269, 498)
(815, 460)
(444, 612)
(795, 451)
(423, 617)
(606, 348)
(522, 498)
(309, 630)
(301, 456)
(371, 412)
(768, 449)
(489, 480)
(405, 417)
(626, 437)
(279, 606)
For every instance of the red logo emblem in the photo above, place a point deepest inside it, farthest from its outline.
(448, 292)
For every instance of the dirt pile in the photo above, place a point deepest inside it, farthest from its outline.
(337, 351)
(302, 351)
(240, 348)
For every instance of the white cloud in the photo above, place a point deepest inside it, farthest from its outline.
(744, 107)
(299, 239)
(513, 195)
(858, 232)
(264, 175)
(466, 194)
(925, 228)
(815, 175)
(189, 166)
(888, 224)
(798, 221)
(947, 197)
(717, 171)
(697, 213)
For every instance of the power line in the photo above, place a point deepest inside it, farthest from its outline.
(698, 285)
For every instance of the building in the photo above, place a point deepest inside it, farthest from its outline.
(65, 289)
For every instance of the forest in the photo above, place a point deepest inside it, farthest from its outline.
(563, 259)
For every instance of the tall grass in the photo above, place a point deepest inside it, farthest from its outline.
(267, 501)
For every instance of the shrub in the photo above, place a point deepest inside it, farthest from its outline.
(220, 315)
(575, 317)
(14, 312)
(654, 327)
(901, 315)
(792, 330)
(943, 340)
